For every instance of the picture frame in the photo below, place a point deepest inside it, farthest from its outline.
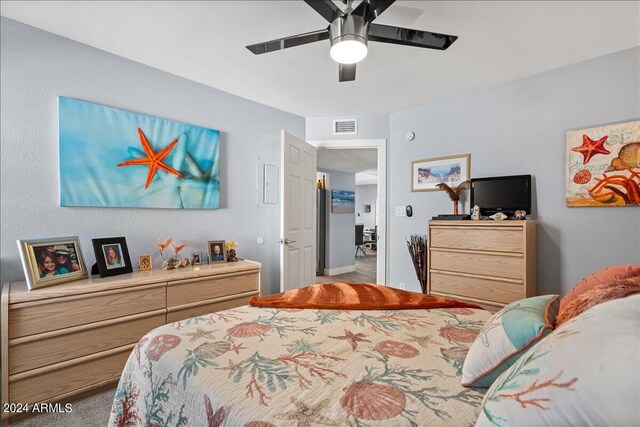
(343, 201)
(217, 256)
(452, 170)
(112, 256)
(145, 263)
(196, 258)
(62, 252)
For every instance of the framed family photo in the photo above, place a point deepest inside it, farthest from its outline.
(51, 261)
(452, 170)
(112, 256)
(217, 252)
(145, 263)
(196, 258)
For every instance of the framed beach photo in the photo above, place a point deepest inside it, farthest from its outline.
(452, 170)
(145, 263)
(217, 251)
(112, 256)
(196, 258)
(51, 261)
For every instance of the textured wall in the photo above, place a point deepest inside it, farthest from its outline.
(366, 195)
(38, 66)
(340, 226)
(520, 128)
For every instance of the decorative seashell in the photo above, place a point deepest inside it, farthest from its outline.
(457, 353)
(371, 401)
(184, 262)
(213, 348)
(397, 349)
(499, 216)
(160, 344)
(460, 311)
(455, 334)
(248, 329)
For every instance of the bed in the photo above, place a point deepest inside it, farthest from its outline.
(262, 367)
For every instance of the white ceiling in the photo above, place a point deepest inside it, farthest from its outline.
(362, 161)
(204, 41)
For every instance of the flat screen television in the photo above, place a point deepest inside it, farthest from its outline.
(501, 194)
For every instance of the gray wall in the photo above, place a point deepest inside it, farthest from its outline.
(369, 127)
(340, 227)
(366, 195)
(38, 66)
(519, 128)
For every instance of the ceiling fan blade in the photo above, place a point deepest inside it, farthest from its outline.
(347, 72)
(371, 9)
(326, 8)
(287, 42)
(409, 37)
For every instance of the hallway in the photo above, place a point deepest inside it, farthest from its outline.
(365, 271)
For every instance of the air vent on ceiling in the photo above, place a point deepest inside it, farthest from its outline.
(345, 127)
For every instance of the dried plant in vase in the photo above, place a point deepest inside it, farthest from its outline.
(231, 253)
(173, 262)
(454, 193)
(417, 245)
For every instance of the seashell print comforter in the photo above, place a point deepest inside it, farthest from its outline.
(264, 367)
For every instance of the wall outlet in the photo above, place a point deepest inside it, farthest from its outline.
(401, 211)
(402, 286)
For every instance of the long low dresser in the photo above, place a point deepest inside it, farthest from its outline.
(491, 263)
(64, 340)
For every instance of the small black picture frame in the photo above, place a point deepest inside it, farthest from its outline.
(112, 256)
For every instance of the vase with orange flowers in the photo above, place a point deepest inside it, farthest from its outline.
(172, 262)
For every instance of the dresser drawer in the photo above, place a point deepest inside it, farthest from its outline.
(49, 315)
(190, 291)
(503, 239)
(500, 265)
(475, 287)
(201, 310)
(41, 350)
(46, 386)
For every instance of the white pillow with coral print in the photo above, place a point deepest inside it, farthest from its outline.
(586, 372)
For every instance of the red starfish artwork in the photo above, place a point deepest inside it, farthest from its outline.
(153, 160)
(590, 148)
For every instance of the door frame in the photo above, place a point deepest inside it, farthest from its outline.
(381, 146)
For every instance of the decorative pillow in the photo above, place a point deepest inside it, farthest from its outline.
(599, 294)
(607, 275)
(586, 372)
(506, 336)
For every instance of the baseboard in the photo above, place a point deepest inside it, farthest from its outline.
(339, 270)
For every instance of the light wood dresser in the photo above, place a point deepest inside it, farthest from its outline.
(491, 263)
(71, 338)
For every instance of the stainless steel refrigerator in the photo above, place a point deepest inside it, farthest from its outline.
(321, 230)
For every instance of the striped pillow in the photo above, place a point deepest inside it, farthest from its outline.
(506, 336)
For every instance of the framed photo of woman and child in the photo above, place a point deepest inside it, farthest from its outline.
(112, 256)
(51, 261)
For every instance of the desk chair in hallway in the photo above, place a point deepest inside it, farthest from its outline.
(373, 240)
(360, 239)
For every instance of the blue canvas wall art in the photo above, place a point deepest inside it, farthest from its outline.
(343, 201)
(116, 158)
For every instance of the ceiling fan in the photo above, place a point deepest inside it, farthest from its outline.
(349, 32)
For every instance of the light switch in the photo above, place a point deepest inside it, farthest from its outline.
(401, 211)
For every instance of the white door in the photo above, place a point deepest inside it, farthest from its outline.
(297, 213)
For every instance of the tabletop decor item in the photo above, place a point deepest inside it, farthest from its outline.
(117, 158)
(145, 263)
(112, 256)
(454, 193)
(418, 250)
(172, 262)
(520, 214)
(217, 251)
(51, 261)
(196, 258)
(452, 170)
(231, 253)
(603, 166)
(498, 216)
(475, 214)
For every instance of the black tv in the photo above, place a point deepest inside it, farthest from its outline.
(501, 194)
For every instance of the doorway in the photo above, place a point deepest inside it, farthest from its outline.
(370, 212)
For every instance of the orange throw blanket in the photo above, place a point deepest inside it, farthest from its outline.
(358, 296)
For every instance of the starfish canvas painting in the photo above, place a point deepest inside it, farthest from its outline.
(603, 165)
(117, 158)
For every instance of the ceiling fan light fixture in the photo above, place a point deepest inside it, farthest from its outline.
(348, 49)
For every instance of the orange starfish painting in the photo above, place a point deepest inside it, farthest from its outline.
(153, 160)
